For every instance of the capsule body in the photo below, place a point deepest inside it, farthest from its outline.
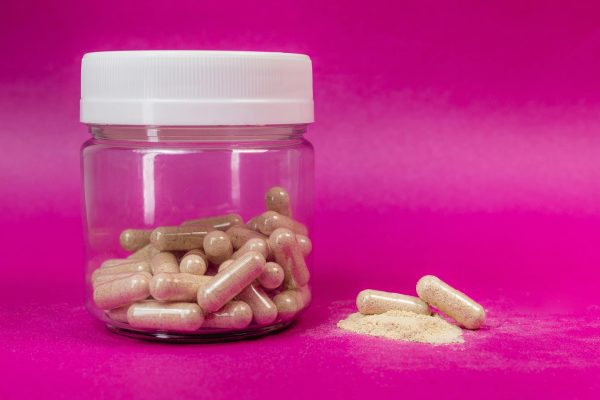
(135, 239)
(239, 235)
(256, 244)
(194, 262)
(377, 302)
(233, 315)
(176, 287)
(271, 220)
(290, 302)
(182, 317)
(219, 222)
(278, 199)
(145, 253)
(130, 266)
(273, 276)
(264, 311)
(123, 291)
(230, 281)
(164, 262)
(168, 238)
(450, 301)
(217, 247)
(287, 253)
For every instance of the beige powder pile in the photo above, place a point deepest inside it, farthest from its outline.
(402, 325)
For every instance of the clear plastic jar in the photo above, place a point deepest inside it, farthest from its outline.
(159, 265)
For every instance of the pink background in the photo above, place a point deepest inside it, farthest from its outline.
(452, 139)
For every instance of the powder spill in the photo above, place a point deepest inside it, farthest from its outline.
(402, 325)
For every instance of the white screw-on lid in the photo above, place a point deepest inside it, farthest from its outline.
(196, 88)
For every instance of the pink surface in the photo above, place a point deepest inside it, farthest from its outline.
(454, 139)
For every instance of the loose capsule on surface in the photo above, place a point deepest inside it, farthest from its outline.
(264, 310)
(233, 315)
(256, 244)
(273, 276)
(271, 220)
(239, 235)
(118, 314)
(377, 302)
(305, 244)
(287, 253)
(123, 291)
(230, 281)
(451, 302)
(194, 262)
(278, 199)
(135, 239)
(176, 287)
(164, 262)
(167, 238)
(219, 222)
(184, 317)
(217, 247)
(131, 266)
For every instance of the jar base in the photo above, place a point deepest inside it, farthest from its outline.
(212, 337)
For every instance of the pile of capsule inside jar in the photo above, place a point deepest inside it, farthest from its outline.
(212, 273)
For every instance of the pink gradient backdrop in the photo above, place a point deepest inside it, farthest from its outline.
(457, 139)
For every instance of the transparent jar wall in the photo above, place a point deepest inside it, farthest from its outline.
(143, 178)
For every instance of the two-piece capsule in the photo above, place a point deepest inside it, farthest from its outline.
(450, 301)
(278, 199)
(377, 302)
(290, 302)
(233, 315)
(164, 262)
(183, 317)
(122, 291)
(219, 222)
(176, 287)
(288, 254)
(194, 262)
(135, 239)
(217, 247)
(271, 220)
(169, 238)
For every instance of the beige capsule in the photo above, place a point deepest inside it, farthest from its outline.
(239, 235)
(287, 253)
(230, 281)
(263, 308)
(305, 244)
(225, 264)
(176, 287)
(168, 238)
(135, 239)
(219, 222)
(118, 314)
(253, 223)
(450, 301)
(131, 266)
(288, 304)
(259, 245)
(377, 302)
(145, 253)
(278, 199)
(101, 279)
(182, 317)
(217, 247)
(122, 291)
(271, 220)
(164, 262)
(233, 315)
(273, 276)
(194, 262)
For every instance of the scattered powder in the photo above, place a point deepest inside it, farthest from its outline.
(402, 325)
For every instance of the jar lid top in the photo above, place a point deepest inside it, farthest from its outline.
(196, 88)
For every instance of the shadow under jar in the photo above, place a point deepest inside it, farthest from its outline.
(198, 192)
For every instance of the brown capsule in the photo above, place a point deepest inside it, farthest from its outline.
(239, 235)
(164, 261)
(256, 244)
(217, 247)
(219, 222)
(271, 220)
(377, 302)
(233, 315)
(254, 222)
(273, 276)
(194, 262)
(123, 291)
(263, 308)
(131, 266)
(277, 199)
(167, 238)
(305, 244)
(287, 253)
(100, 279)
(182, 317)
(451, 302)
(134, 239)
(176, 287)
(230, 281)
